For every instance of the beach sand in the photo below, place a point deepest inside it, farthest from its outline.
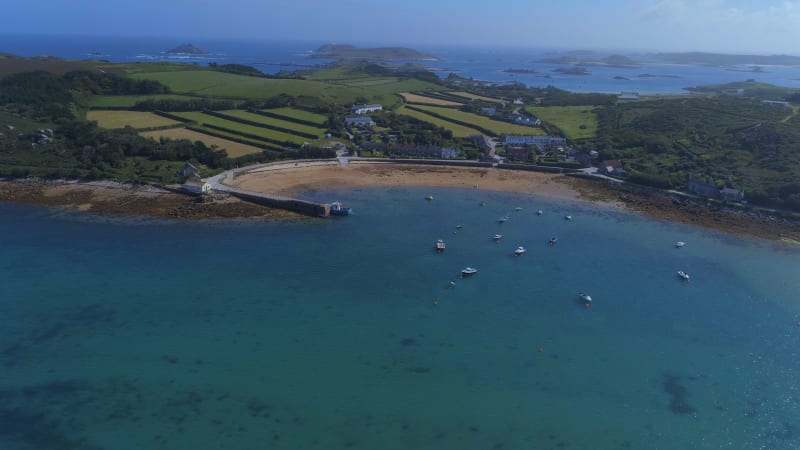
(294, 179)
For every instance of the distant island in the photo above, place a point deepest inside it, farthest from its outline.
(189, 49)
(718, 59)
(343, 51)
(607, 61)
(520, 71)
(572, 71)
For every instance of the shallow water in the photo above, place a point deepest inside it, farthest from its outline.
(343, 333)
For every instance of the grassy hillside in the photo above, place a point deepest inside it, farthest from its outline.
(576, 122)
(459, 131)
(495, 126)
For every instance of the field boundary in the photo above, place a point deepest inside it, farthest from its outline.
(259, 124)
(286, 118)
(455, 121)
(285, 144)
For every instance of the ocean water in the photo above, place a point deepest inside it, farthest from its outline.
(479, 63)
(343, 333)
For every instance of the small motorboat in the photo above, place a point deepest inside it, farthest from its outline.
(567, 217)
(336, 209)
(503, 219)
(679, 244)
(482, 204)
(539, 212)
(518, 208)
(585, 297)
(458, 227)
(683, 275)
(519, 251)
(452, 284)
(553, 240)
(440, 245)
(467, 271)
(428, 197)
(497, 237)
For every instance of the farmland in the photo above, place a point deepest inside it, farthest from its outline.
(274, 122)
(474, 96)
(495, 126)
(577, 122)
(414, 98)
(127, 101)
(135, 119)
(299, 114)
(202, 118)
(234, 149)
(459, 131)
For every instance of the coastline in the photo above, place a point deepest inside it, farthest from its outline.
(295, 180)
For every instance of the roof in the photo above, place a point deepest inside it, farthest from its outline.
(190, 165)
(613, 163)
(195, 183)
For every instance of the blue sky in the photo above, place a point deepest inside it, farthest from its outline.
(736, 26)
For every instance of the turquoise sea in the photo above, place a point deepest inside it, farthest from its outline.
(343, 334)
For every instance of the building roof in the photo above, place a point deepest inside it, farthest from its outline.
(195, 183)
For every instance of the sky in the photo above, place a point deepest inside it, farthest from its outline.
(731, 26)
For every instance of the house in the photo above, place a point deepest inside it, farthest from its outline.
(542, 143)
(703, 189)
(489, 111)
(196, 187)
(364, 109)
(525, 120)
(517, 153)
(483, 142)
(189, 170)
(426, 151)
(611, 167)
(580, 157)
(361, 122)
(518, 101)
(628, 96)
(731, 195)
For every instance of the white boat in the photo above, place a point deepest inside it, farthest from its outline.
(567, 217)
(519, 251)
(440, 245)
(539, 212)
(679, 244)
(497, 237)
(553, 241)
(683, 275)
(467, 271)
(502, 219)
(429, 197)
(518, 208)
(585, 297)
(458, 227)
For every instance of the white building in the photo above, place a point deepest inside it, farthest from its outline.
(364, 109)
(196, 187)
(359, 122)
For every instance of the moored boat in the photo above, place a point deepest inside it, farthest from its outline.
(497, 237)
(567, 217)
(502, 219)
(683, 275)
(467, 271)
(520, 251)
(585, 297)
(679, 244)
(553, 241)
(539, 212)
(518, 208)
(429, 197)
(440, 245)
(338, 210)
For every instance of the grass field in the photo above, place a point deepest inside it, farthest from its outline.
(473, 96)
(201, 118)
(459, 131)
(568, 119)
(494, 125)
(300, 114)
(135, 119)
(318, 132)
(227, 85)
(130, 100)
(233, 149)
(414, 98)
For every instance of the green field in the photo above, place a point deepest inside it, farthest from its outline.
(128, 101)
(300, 114)
(227, 85)
(233, 149)
(568, 119)
(201, 118)
(459, 131)
(135, 119)
(473, 96)
(482, 121)
(294, 126)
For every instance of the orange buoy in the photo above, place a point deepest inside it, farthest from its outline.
(587, 305)
(540, 349)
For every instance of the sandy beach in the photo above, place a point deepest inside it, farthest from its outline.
(295, 179)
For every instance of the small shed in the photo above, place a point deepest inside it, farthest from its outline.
(196, 187)
(189, 170)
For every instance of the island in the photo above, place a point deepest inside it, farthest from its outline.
(188, 49)
(344, 51)
(519, 71)
(717, 59)
(572, 71)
